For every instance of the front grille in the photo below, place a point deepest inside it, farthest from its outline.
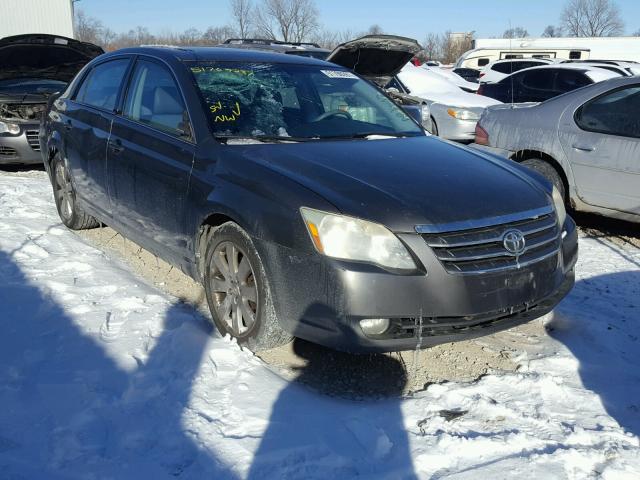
(481, 250)
(33, 139)
(7, 151)
(438, 326)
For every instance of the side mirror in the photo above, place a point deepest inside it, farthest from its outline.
(421, 114)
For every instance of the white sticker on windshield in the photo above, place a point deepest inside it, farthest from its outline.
(339, 74)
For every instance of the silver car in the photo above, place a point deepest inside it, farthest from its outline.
(586, 142)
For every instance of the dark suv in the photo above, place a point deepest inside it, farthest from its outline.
(306, 201)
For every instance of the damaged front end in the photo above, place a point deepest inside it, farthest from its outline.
(17, 112)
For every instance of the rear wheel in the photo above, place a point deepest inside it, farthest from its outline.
(238, 291)
(549, 172)
(65, 197)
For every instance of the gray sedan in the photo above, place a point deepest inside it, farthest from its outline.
(587, 142)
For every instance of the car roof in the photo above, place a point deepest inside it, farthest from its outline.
(221, 54)
(571, 66)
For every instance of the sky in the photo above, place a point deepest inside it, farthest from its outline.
(412, 18)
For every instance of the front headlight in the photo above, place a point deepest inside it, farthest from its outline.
(349, 238)
(426, 117)
(462, 114)
(558, 203)
(9, 128)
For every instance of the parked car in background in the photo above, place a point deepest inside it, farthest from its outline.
(496, 71)
(469, 74)
(538, 84)
(378, 58)
(626, 69)
(360, 232)
(586, 142)
(454, 78)
(454, 112)
(32, 67)
(303, 49)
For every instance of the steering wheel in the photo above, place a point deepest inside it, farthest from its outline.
(333, 113)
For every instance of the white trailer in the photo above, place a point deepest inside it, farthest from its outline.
(487, 50)
(54, 17)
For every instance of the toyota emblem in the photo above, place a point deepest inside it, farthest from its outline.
(514, 242)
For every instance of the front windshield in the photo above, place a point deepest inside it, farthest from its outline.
(295, 101)
(27, 86)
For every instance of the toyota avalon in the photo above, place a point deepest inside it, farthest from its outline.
(305, 200)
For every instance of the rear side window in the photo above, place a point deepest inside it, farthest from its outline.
(101, 86)
(153, 99)
(483, 61)
(538, 79)
(614, 113)
(575, 55)
(568, 80)
(510, 67)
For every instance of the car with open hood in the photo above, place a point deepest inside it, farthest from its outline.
(385, 60)
(305, 200)
(379, 58)
(32, 68)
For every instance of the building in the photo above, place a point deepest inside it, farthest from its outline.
(36, 16)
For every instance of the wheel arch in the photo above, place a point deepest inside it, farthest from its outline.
(523, 155)
(207, 226)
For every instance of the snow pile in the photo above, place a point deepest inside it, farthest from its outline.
(102, 376)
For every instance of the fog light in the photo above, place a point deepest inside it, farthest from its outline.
(375, 326)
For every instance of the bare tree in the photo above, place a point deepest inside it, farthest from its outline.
(242, 13)
(552, 32)
(592, 18)
(375, 30)
(432, 47)
(516, 32)
(217, 35)
(87, 29)
(289, 20)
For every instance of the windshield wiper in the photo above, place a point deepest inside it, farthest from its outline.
(262, 138)
(367, 135)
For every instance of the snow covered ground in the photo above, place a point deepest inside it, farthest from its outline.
(104, 376)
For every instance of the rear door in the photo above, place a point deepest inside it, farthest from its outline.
(151, 151)
(602, 142)
(535, 85)
(87, 125)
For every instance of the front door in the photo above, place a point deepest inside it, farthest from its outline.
(602, 142)
(150, 156)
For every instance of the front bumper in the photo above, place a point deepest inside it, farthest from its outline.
(323, 300)
(23, 148)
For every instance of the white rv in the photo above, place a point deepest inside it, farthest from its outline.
(488, 50)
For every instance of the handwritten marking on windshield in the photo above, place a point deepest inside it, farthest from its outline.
(217, 107)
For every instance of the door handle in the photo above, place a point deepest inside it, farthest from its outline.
(582, 148)
(116, 146)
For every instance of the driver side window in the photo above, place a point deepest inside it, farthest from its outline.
(154, 99)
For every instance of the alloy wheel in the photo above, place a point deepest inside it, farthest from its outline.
(65, 196)
(234, 288)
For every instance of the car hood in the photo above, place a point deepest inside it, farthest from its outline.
(44, 56)
(376, 57)
(404, 182)
(433, 87)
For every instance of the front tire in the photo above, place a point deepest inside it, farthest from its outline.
(238, 291)
(549, 172)
(65, 197)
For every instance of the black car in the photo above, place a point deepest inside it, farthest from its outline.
(538, 84)
(306, 201)
(469, 74)
(32, 67)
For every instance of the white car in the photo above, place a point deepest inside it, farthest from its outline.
(453, 77)
(454, 112)
(496, 71)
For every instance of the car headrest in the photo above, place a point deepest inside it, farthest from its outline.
(166, 101)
